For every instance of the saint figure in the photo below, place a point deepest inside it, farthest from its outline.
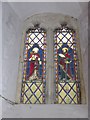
(35, 62)
(66, 63)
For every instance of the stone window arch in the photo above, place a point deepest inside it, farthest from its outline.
(50, 22)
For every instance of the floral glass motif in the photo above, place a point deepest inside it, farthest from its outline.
(66, 67)
(34, 73)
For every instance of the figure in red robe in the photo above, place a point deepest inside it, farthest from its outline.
(65, 60)
(34, 64)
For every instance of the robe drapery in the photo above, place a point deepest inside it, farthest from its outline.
(34, 63)
(64, 63)
(66, 68)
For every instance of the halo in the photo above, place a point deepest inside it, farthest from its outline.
(65, 49)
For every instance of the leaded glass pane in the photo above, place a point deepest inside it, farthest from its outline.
(66, 67)
(34, 72)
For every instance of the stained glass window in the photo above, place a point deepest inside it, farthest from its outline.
(34, 72)
(66, 66)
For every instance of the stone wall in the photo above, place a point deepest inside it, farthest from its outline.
(83, 32)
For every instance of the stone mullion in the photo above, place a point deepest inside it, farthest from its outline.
(50, 63)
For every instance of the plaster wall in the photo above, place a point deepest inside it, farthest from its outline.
(0, 58)
(83, 32)
(27, 9)
(11, 38)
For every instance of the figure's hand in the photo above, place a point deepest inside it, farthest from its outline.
(32, 58)
(29, 59)
(38, 59)
(40, 62)
(67, 62)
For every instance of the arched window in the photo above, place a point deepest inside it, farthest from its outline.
(66, 66)
(34, 72)
(52, 72)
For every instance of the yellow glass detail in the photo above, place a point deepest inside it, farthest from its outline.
(33, 93)
(67, 96)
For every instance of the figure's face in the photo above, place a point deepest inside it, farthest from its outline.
(65, 50)
(35, 50)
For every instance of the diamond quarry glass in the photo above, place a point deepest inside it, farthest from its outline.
(66, 67)
(34, 72)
